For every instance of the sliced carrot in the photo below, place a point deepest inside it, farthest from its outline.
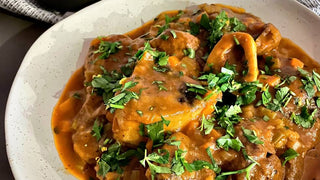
(211, 99)
(270, 80)
(173, 61)
(294, 62)
(207, 144)
(209, 177)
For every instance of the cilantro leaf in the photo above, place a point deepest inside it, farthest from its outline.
(248, 91)
(226, 122)
(288, 155)
(309, 81)
(220, 25)
(216, 168)
(168, 20)
(177, 162)
(194, 28)
(282, 98)
(304, 119)
(112, 159)
(226, 142)
(266, 97)
(156, 133)
(96, 129)
(76, 96)
(245, 170)
(190, 53)
(107, 48)
(196, 88)
(120, 100)
(206, 125)
(233, 110)
(103, 85)
(318, 102)
(251, 136)
(154, 157)
(160, 85)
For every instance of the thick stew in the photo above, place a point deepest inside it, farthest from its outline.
(209, 92)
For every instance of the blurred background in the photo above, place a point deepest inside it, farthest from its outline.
(21, 23)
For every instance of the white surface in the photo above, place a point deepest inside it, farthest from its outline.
(52, 58)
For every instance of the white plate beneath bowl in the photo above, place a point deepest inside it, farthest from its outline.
(53, 57)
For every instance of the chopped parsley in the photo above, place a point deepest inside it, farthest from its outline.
(113, 159)
(245, 170)
(121, 99)
(155, 131)
(139, 112)
(161, 58)
(194, 28)
(227, 120)
(216, 168)
(104, 84)
(106, 48)
(196, 88)
(220, 25)
(190, 53)
(304, 119)
(207, 125)
(265, 118)
(179, 164)
(168, 20)
(309, 81)
(160, 85)
(76, 96)
(288, 155)
(251, 136)
(248, 91)
(268, 65)
(266, 96)
(157, 158)
(282, 98)
(318, 102)
(236, 40)
(227, 142)
(97, 129)
(164, 37)
(174, 35)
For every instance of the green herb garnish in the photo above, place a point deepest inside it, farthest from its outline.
(97, 129)
(251, 136)
(288, 155)
(107, 48)
(227, 142)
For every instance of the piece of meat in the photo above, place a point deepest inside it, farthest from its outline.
(84, 144)
(173, 103)
(268, 40)
(175, 46)
(269, 168)
(114, 61)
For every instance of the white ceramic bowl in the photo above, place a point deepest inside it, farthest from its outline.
(53, 57)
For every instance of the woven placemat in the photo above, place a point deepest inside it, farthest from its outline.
(32, 9)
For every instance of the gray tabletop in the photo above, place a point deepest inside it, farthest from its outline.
(17, 34)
